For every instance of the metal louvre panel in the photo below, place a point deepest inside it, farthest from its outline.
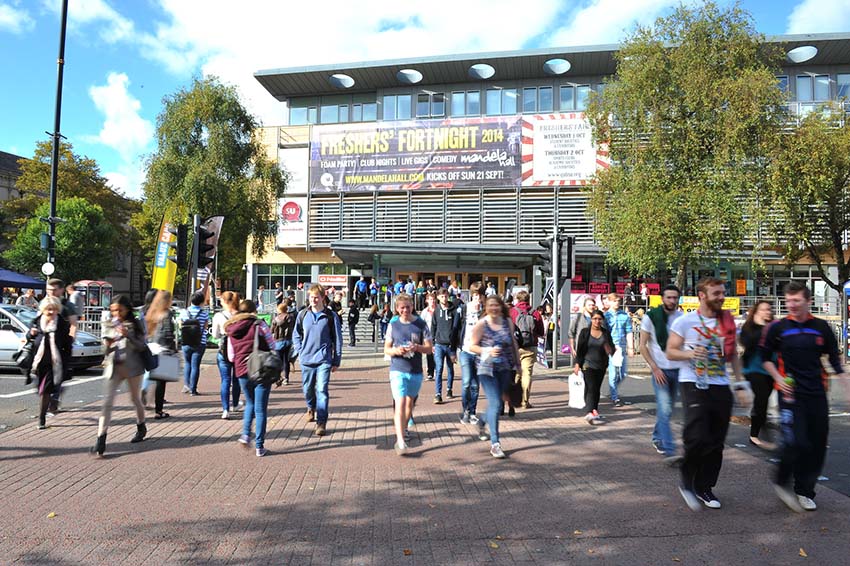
(536, 215)
(357, 217)
(572, 216)
(498, 224)
(463, 217)
(426, 217)
(391, 218)
(324, 219)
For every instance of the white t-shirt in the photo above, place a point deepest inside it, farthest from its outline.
(701, 331)
(655, 350)
(472, 316)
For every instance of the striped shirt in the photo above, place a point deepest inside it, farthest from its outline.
(203, 316)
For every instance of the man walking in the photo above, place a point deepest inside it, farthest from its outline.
(318, 341)
(654, 332)
(193, 332)
(799, 340)
(444, 336)
(361, 292)
(529, 327)
(466, 317)
(705, 340)
(620, 325)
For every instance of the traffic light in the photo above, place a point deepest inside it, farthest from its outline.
(179, 246)
(566, 247)
(204, 256)
(545, 258)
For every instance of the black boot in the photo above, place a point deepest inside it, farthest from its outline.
(141, 431)
(100, 445)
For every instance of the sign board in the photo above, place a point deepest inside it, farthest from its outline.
(690, 304)
(292, 222)
(164, 271)
(598, 288)
(558, 149)
(333, 280)
(416, 154)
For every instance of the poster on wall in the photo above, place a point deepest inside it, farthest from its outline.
(292, 222)
(558, 149)
(416, 154)
(295, 162)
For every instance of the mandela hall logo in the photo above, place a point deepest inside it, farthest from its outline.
(291, 212)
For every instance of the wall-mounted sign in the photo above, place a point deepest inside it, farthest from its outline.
(333, 280)
(292, 222)
(558, 149)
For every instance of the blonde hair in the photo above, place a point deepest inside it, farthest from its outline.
(160, 307)
(317, 289)
(49, 301)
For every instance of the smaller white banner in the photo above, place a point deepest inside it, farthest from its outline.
(292, 222)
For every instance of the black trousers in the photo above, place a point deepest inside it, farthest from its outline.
(707, 413)
(762, 386)
(803, 442)
(159, 396)
(593, 379)
(351, 334)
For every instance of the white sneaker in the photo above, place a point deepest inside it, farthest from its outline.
(225, 415)
(690, 498)
(807, 503)
(240, 407)
(496, 451)
(788, 497)
(473, 419)
(400, 448)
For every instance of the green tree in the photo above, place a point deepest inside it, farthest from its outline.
(809, 192)
(78, 176)
(688, 118)
(209, 162)
(84, 248)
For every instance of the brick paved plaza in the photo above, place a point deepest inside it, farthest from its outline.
(567, 493)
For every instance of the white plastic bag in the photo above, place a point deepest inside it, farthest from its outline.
(577, 390)
(617, 358)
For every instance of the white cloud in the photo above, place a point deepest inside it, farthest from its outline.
(124, 130)
(609, 21)
(820, 16)
(113, 27)
(15, 20)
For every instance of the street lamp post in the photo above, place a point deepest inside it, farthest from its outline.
(52, 220)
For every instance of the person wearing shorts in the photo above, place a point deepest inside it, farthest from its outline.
(407, 338)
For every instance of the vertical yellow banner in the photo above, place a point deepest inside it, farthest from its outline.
(164, 271)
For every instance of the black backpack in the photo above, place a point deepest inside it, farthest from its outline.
(525, 331)
(190, 331)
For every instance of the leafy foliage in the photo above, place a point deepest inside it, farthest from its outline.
(84, 242)
(209, 162)
(689, 114)
(809, 192)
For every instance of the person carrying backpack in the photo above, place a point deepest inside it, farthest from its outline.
(529, 327)
(193, 336)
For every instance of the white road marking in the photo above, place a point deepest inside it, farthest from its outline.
(75, 381)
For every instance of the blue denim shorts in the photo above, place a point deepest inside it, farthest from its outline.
(405, 384)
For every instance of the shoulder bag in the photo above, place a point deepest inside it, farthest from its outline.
(263, 367)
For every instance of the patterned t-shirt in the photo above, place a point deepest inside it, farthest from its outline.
(698, 330)
(402, 333)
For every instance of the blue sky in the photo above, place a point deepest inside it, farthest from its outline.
(123, 56)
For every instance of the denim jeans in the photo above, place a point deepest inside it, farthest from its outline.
(256, 405)
(616, 376)
(192, 367)
(665, 398)
(469, 376)
(442, 355)
(494, 386)
(229, 383)
(314, 384)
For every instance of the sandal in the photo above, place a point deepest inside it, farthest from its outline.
(161, 416)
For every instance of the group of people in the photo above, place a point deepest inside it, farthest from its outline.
(691, 354)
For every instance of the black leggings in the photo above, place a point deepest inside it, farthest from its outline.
(159, 396)
(762, 386)
(593, 379)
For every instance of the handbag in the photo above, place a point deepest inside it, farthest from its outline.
(576, 384)
(149, 360)
(24, 357)
(168, 368)
(515, 393)
(263, 367)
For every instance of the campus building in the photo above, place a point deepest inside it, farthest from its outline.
(453, 167)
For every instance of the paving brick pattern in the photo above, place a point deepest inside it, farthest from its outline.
(567, 493)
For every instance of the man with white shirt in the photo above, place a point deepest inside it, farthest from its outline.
(654, 331)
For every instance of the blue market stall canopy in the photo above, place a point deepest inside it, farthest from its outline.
(10, 278)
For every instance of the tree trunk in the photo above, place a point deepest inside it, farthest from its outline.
(681, 272)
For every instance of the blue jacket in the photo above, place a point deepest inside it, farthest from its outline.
(312, 338)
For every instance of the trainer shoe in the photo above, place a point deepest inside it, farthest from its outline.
(708, 499)
(186, 389)
(807, 503)
(438, 399)
(496, 451)
(788, 497)
(410, 422)
(617, 403)
(430, 378)
(225, 415)
(690, 498)
(261, 452)
(400, 448)
(240, 406)
(473, 418)
(597, 421)
(657, 446)
(464, 418)
(589, 418)
(449, 394)
(482, 434)
(320, 429)
(674, 460)
(244, 440)
(311, 415)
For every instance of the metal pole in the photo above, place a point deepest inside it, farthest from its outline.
(556, 275)
(54, 166)
(193, 263)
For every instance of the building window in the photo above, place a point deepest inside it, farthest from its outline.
(329, 114)
(438, 104)
(430, 104)
(423, 105)
(582, 94)
(473, 103)
(303, 111)
(370, 111)
(501, 101)
(782, 83)
(343, 112)
(458, 103)
(567, 98)
(812, 88)
(493, 102)
(397, 107)
(842, 85)
(544, 99)
(389, 107)
(289, 275)
(529, 100)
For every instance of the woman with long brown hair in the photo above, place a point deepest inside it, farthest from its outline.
(160, 322)
(594, 347)
(759, 315)
(229, 383)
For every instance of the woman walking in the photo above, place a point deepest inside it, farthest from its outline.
(386, 316)
(758, 317)
(241, 330)
(229, 383)
(125, 340)
(594, 346)
(427, 315)
(51, 338)
(282, 327)
(494, 342)
(407, 339)
(160, 322)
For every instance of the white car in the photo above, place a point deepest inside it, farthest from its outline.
(87, 351)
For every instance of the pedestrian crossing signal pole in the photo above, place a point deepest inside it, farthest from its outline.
(556, 291)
